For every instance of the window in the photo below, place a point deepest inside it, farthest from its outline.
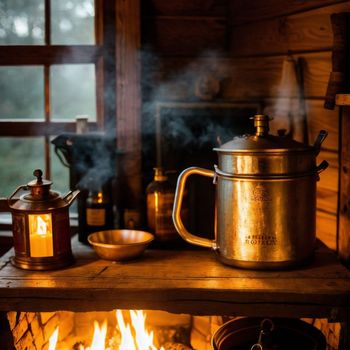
(56, 62)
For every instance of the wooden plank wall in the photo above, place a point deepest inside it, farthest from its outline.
(244, 43)
(270, 30)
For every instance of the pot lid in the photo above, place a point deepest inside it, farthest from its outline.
(262, 141)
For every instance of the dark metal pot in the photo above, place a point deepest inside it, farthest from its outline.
(268, 334)
(265, 200)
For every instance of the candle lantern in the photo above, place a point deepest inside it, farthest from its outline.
(41, 230)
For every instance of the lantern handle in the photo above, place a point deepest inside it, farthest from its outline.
(70, 196)
(22, 187)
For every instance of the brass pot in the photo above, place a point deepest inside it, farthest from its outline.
(265, 216)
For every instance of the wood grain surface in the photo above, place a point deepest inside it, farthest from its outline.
(242, 11)
(344, 190)
(34, 55)
(326, 226)
(305, 31)
(240, 78)
(128, 97)
(181, 282)
(183, 36)
(184, 8)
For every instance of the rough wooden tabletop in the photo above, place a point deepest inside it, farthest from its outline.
(186, 281)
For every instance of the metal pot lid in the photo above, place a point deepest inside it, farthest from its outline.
(262, 141)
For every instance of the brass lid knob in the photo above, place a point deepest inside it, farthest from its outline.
(39, 188)
(261, 123)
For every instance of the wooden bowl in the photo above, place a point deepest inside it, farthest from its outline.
(119, 245)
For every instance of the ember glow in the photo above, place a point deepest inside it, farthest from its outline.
(131, 336)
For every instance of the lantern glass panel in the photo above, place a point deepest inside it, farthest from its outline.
(40, 235)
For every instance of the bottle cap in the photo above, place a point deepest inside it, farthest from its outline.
(159, 174)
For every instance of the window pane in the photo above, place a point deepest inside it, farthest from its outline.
(19, 157)
(72, 22)
(73, 91)
(22, 92)
(22, 22)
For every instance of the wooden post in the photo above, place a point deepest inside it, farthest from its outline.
(344, 177)
(343, 101)
(128, 94)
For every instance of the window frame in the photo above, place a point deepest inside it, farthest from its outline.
(46, 55)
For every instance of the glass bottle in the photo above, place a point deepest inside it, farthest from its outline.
(160, 198)
(99, 211)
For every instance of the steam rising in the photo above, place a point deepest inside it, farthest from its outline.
(97, 165)
(194, 123)
(289, 111)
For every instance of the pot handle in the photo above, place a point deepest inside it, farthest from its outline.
(319, 140)
(22, 187)
(322, 166)
(70, 196)
(180, 187)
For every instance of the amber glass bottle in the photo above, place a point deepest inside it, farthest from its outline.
(160, 199)
(99, 212)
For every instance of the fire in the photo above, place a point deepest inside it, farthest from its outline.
(132, 337)
(41, 226)
(127, 340)
(143, 339)
(99, 339)
(53, 339)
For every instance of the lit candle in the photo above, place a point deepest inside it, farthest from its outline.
(40, 235)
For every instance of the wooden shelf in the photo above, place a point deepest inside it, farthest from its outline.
(342, 100)
(180, 282)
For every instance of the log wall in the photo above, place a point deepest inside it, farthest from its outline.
(244, 44)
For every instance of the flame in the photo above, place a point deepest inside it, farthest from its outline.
(40, 235)
(53, 339)
(143, 339)
(99, 339)
(42, 226)
(127, 340)
(134, 337)
(99, 197)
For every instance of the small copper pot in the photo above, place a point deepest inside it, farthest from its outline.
(40, 224)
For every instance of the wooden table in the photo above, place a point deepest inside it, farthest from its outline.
(183, 281)
(187, 281)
